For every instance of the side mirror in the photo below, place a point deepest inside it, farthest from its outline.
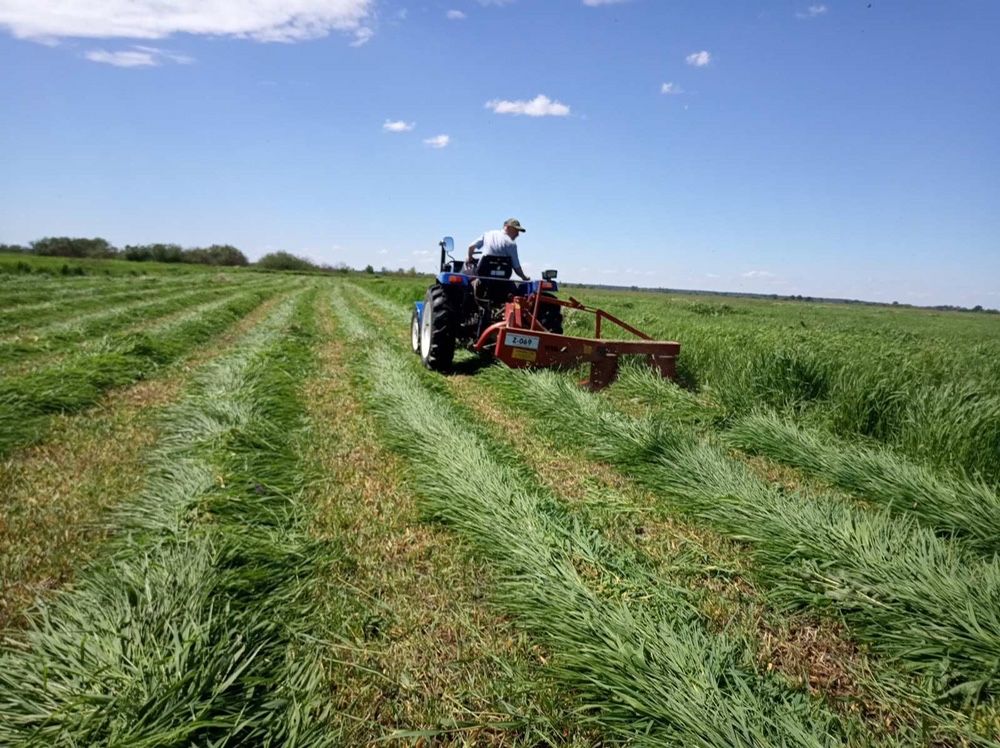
(448, 245)
(549, 274)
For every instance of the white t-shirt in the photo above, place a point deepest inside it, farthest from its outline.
(498, 244)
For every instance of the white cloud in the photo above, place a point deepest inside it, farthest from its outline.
(540, 106)
(138, 56)
(699, 59)
(126, 59)
(671, 88)
(438, 141)
(758, 274)
(812, 11)
(262, 20)
(362, 35)
(454, 15)
(398, 126)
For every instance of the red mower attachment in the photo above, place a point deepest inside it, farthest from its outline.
(521, 341)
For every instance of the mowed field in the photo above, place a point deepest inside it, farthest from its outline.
(236, 510)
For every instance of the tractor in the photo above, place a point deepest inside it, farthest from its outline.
(477, 307)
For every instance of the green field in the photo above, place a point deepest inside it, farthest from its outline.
(236, 510)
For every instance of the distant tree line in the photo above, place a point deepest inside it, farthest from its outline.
(102, 249)
(217, 254)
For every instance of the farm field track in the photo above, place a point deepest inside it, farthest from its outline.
(253, 517)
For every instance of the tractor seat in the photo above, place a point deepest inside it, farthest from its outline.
(493, 282)
(493, 267)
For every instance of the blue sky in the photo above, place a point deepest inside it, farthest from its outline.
(835, 148)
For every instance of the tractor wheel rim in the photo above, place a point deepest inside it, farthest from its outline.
(415, 333)
(425, 330)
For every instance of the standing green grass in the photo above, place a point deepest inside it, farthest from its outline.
(953, 506)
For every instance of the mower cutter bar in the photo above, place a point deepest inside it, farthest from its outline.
(520, 341)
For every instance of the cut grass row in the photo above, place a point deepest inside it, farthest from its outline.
(78, 381)
(934, 396)
(204, 626)
(40, 292)
(62, 336)
(929, 391)
(840, 580)
(55, 497)
(639, 654)
(28, 318)
(901, 589)
(157, 326)
(430, 659)
(963, 508)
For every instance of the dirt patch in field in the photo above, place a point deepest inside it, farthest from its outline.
(54, 496)
(429, 653)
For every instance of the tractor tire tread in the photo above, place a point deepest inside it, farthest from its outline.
(441, 351)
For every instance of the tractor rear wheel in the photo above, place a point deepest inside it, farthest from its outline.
(415, 332)
(437, 330)
(550, 316)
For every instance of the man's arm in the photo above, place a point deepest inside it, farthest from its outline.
(516, 263)
(478, 244)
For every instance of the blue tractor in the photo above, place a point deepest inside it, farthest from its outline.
(465, 303)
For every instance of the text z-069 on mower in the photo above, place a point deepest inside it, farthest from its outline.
(476, 306)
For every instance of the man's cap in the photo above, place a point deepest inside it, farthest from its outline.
(514, 224)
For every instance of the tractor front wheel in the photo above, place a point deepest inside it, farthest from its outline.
(415, 332)
(437, 330)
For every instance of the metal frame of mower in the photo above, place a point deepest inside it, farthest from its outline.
(528, 334)
(521, 341)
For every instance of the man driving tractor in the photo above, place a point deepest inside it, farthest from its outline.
(499, 243)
